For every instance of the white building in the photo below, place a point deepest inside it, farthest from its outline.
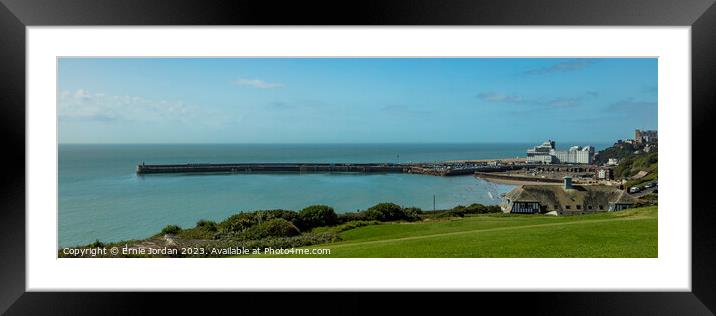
(541, 153)
(546, 154)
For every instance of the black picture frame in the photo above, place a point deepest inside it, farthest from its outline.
(16, 15)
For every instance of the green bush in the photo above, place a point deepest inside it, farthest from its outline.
(96, 244)
(474, 208)
(277, 227)
(385, 212)
(413, 210)
(493, 209)
(196, 233)
(206, 225)
(351, 217)
(204, 229)
(171, 229)
(412, 214)
(290, 216)
(316, 216)
(238, 222)
(245, 220)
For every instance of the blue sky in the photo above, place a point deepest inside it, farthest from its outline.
(354, 100)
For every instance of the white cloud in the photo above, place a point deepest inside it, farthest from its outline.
(562, 67)
(258, 83)
(557, 102)
(85, 106)
(500, 97)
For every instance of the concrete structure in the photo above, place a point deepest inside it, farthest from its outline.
(566, 199)
(644, 136)
(436, 169)
(272, 167)
(547, 154)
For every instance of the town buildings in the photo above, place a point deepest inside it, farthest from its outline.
(645, 136)
(546, 153)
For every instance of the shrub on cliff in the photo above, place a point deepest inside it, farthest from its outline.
(290, 216)
(96, 244)
(351, 217)
(493, 209)
(277, 227)
(413, 210)
(171, 229)
(316, 216)
(476, 208)
(206, 225)
(238, 222)
(412, 214)
(242, 221)
(385, 212)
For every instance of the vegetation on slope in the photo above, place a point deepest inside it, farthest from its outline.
(618, 151)
(278, 228)
(388, 230)
(632, 165)
(629, 233)
(632, 160)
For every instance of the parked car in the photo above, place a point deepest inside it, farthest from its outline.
(634, 189)
(648, 185)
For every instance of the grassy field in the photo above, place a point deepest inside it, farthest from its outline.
(630, 233)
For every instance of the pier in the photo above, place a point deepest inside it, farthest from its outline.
(436, 169)
(272, 167)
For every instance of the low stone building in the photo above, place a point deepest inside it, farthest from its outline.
(565, 199)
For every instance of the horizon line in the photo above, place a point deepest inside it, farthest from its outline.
(326, 143)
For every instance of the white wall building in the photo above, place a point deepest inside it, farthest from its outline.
(546, 153)
(541, 153)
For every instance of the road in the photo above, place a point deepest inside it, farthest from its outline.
(644, 192)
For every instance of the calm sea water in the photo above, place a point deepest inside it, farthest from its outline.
(101, 197)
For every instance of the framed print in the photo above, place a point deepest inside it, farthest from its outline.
(471, 147)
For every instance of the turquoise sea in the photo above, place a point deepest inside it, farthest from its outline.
(101, 197)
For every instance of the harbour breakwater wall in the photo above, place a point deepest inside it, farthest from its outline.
(270, 167)
(428, 169)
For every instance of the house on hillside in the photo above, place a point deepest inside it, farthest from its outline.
(603, 173)
(565, 199)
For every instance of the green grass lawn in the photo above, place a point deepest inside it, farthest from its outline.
(630, 233)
